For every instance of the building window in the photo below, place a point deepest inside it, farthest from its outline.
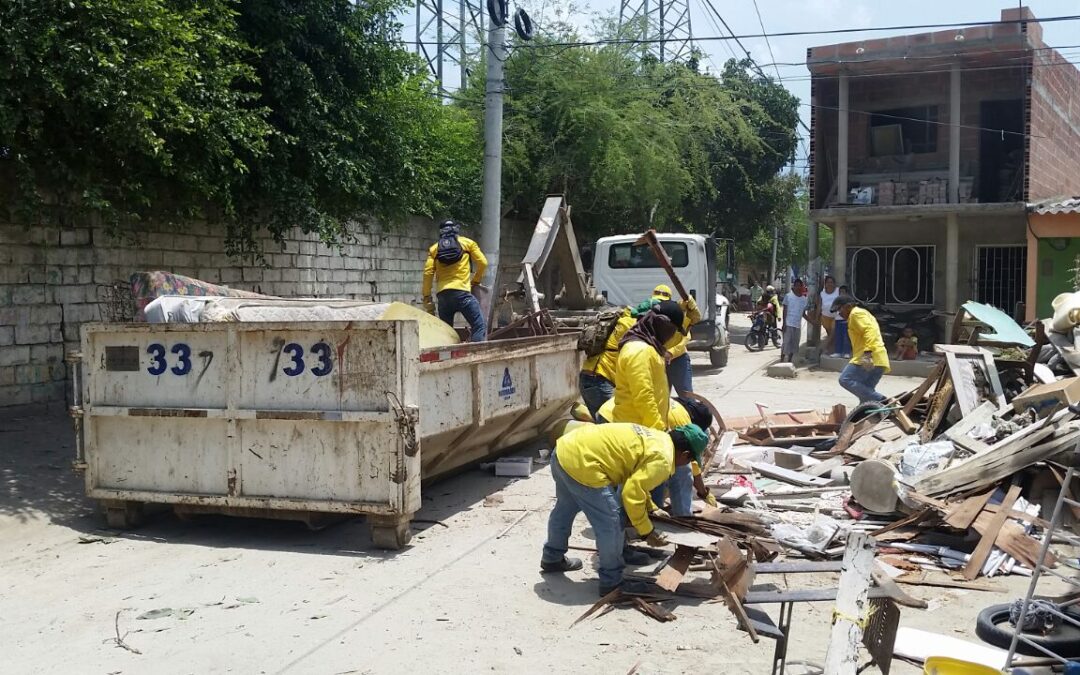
(904, 130)
(1001, 276)
(632, 256)
(892, 275)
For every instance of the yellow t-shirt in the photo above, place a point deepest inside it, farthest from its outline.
(641, 387)
(865, 337)
(455, 276)
(638, 459)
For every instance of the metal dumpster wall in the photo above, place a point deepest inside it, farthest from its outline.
(309, 417)
(477, 400)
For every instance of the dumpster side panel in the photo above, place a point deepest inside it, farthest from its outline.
(318, 418)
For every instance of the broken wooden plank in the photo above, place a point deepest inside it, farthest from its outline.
(852, 605)
(787, 475)
(920, 392)
(672, 574)
(901, 420)
(939, 405)
(898, 595)
(942, 580)
(1014, 540)
(733, 601)
(986, 544)
(958, 433)
(962, 514)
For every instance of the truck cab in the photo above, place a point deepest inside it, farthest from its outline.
(625, 273)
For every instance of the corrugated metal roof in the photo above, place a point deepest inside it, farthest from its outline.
(1070, 205)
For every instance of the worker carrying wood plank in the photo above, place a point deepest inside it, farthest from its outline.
(456, 265)
(589, 466)
(682, 411)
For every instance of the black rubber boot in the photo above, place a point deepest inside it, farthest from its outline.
(632, 556)
(564, 565)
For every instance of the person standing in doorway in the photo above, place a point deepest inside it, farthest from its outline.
(756, 291)
(827, 320)
(456, 265)
(794, 312)
(870, 360)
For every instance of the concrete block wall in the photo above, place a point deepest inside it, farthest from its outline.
(55, 278)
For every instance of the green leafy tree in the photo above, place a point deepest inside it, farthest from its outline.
(250, 113)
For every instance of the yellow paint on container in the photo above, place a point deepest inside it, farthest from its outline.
(943, 665)
(433, 332)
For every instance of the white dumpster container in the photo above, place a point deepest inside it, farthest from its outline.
(299, 419)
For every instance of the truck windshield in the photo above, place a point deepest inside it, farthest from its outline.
(629, 256)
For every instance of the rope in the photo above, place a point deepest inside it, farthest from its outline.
(861, 623)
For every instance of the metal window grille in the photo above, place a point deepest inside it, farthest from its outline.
(894, 275)
(1001, 276)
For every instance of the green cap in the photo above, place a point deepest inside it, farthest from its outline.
(697, 439)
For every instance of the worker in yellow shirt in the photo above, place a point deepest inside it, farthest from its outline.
(596, 381)
(869, 360)
(456, 265)
(641, 384)
(683, 411)
(589, 465)
(679, 372)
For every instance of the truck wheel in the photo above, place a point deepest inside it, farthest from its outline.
(390, 532)
(123, 515)
(718, 357)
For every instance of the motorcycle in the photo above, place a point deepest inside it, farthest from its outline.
(761, 333)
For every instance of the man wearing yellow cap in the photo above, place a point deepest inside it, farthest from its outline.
(679, 372)
(589, 465)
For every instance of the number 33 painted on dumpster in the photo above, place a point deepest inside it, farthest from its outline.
(320, 349)
(158, 364)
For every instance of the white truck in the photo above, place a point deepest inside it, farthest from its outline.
(625, 273)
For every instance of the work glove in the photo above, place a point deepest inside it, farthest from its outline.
(709, 498)
(429, 305)
(689, 304)
(656, 539)
(866, 361)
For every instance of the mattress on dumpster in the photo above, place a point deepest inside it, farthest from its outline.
(181, 309)
(148, 286)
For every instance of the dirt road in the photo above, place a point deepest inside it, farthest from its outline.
(235, 595)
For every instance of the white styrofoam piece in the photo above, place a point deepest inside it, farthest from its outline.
(921, 644)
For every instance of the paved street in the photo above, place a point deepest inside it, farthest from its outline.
(272, 597)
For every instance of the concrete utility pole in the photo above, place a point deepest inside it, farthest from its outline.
(772, 267)
(491, 205)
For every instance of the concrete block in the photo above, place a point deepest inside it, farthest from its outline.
(12, 274)
(47, 353)
(31, 334)
(783, 370)
(77, 237)
(7, 335)
(252, 274)
(14, 395)
(185, 242)
(28, 295)
(67, 295)
(14, 355)
(230, 275)
(7, 375)
(47, 314)
(212, 244)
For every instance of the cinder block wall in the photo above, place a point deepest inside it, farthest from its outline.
(1054, 160)
(53, 278)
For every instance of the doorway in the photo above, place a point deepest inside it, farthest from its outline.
(1001, 151)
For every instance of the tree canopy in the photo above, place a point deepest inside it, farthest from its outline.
(253, 113)
(634, 142)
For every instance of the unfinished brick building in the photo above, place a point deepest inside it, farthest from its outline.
(926, 151)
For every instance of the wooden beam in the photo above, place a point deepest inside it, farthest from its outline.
(986, 544)
(962, 514)
(850, 613)
(672, 574)
(917, 396)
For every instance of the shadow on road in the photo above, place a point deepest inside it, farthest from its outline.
(38, 483)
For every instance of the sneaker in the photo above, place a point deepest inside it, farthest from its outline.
(632, 556)
(628, 587)
(564, 565)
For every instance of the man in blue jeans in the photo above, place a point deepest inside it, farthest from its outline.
(455, 265)
(589, 465)
(869, 360)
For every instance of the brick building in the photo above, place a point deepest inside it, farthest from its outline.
(55, 277)
(926, 150)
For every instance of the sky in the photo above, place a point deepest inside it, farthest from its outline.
(780, 16)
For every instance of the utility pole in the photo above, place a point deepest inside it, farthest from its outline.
(772, 267)
(491, 204)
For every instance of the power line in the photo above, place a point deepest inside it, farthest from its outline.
(831, 31)
(767, 43)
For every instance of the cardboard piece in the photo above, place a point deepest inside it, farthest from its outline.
(1044, 397)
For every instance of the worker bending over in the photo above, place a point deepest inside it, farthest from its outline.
(596, 381)
(448, 265)
(679, 373)
(641, 384)
(683, 411)
(589, 465)
(869, 359)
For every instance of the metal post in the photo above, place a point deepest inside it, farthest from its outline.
(772, 267)
(491, 206)
(440, 48)
(813, 278)
(954, 134)
(663, 33)
(462, 23)
(842, 142)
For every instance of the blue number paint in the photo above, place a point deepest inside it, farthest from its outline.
(183, 366)
(297, 353)
(325, 362)
(157, 353)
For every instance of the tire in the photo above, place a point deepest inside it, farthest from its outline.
(523, 25)
(498, 10)
(752, 342)
(992, 627)
(777, 339)
(718, 357)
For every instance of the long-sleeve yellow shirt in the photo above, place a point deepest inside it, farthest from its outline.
(603, 364)
(865, 337)
(691, 315)
(455, 276)
(638, 459)
(641, 387)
